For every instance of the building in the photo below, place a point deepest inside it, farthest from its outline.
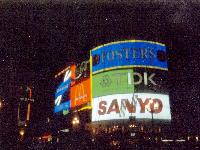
(121, 91)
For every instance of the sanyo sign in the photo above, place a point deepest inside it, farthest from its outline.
(140, 105)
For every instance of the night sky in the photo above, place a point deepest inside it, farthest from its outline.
(37, 40)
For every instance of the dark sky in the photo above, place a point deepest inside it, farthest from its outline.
(39, 39)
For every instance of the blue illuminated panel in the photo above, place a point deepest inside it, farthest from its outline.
(129, 53)
(62, 88)
(62, 106)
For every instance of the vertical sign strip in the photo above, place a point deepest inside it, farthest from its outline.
(28, 112)
(91, 77)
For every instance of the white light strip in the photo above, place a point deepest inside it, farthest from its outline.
(167, 140)
(181, 140)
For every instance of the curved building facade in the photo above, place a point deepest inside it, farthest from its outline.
(129, 80)
(124, 91)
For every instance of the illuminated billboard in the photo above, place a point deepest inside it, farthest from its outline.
(133, 53)
(149, 80)
(129, 78)
(80, 93)
(62, 106)
(74, 89)
(112, 82)
(62, 101)
(82, 70)
(63, 87)
(122, 81)
(122, 106)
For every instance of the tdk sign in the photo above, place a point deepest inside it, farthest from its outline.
(127, 54)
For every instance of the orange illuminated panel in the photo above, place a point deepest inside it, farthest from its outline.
(80, 93)
(73, 75)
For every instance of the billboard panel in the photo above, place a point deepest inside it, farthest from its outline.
(82, 70)
(112, 82)
(62, 101)
(149, 80)
(122, 106)
(62, 106)
(129, 54)
(80, 93)
(62, 88)
(122, 81)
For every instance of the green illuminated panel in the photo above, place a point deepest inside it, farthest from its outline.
(111, 82)
(65, 112)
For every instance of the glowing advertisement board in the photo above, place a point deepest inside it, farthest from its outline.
(122, 106)
(149, 80)
(112, 82)
(63, 87)
(82, 70)
(62, 106)
(80, 93)
(131, 53)
(62, 101)
(123, 81)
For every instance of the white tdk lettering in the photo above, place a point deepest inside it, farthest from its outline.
(141, 78)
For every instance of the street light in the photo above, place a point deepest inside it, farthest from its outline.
(152, 109)
(21, 133)
(75, 121)
(1, 104)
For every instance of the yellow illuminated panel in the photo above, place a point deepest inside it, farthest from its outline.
(28, 112)
(85, 108)
(90, 76)
(125, 42)
(131, 66)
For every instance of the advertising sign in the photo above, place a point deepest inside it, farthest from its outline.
(82, 70)
(112, 82)
(123, 81)
(62, 106)
(63, 87)
(80, 93)
(61, 94)
(125, 54)
(122, 106)
(149, 80)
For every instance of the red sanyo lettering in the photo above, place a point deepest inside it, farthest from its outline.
(131, 108)
(152, 105)
(102, 108)
(159, 108)
(113, 107)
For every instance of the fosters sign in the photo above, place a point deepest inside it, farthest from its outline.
(80, 93)
(140, 105)
(133, 53)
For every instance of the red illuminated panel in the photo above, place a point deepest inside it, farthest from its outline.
(80, 93)
(73, 75)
